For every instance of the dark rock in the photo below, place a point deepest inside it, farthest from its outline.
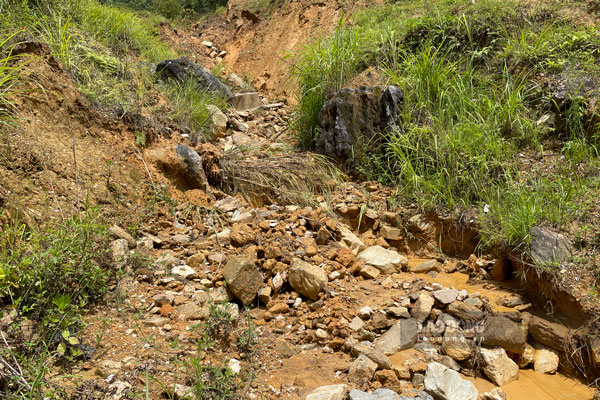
(549, 333)
(193, 164)
(465, 312)
(547, 246)
(502, 332)
(354, 116)
(183, 69)
(243, 278)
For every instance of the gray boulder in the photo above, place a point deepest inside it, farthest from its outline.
(548, 247)
(445, 384)
(401, 336)
(183, 69)
(355, 116)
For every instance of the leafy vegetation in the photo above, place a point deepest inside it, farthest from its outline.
(478, 81)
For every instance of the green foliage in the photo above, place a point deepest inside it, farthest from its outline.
(210, 380)
(190, 108)
(52, 275)
(471, 74)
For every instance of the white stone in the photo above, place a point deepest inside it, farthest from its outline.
(444, 383)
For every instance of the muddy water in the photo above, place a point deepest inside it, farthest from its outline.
(530, 385)
(534, 386)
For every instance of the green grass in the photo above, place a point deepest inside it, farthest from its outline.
(475, 78)
(189, 108)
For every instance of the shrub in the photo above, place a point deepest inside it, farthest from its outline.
(53, 274)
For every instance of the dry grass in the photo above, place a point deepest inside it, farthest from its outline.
(271, 176)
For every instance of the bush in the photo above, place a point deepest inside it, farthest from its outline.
(53, 274)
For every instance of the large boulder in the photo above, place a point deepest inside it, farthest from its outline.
(401, 336)
(183, 69)
(502, 332)
(387, 261)
(497, 366)
(309, 280)
(354, 116)
(243, 278)
(195, 175)
(446, 384)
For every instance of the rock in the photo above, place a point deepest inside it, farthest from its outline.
(424, 267)
(350, 240)
(119, 251)
(445, 296)
(422, 307)
(180, 239)
(455, 345)
(245, 101)
(390, 233)
(548, 333)
(218, 119)
(227, 204)
(182, 69)
(357, 324)
(155, 321)
(264, 295)
(387, 261)
(285, 348)
(546, 361)
(236, 82)
(548, 247)
(382, 361)
(241, 235)
(355, 115)
(243, 278)
(399, 312)
(309, 280)
(494, 394)
(330, 392)
(192, 312)
(184, 271)
(369, 272)
(502, 332)
(498, 366)
(195, 177)
(446, 384)
(449, 362)
(527, 357)
(235, 366)
(182, 392)
(120, 233)
(402, 335)
(163, 298)
(362, 370)
(465, 312)
(379, 394)
(196, 261)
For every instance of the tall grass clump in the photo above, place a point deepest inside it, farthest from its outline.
(323, 68)
(190, 108)
(8, 74)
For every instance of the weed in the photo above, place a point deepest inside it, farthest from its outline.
(53, 275)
